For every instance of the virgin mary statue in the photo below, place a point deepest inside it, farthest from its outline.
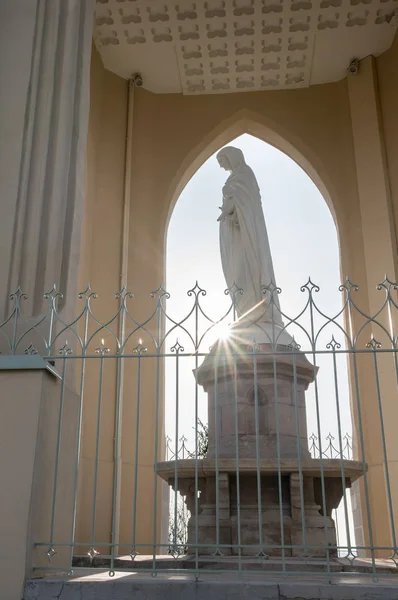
(245, 251)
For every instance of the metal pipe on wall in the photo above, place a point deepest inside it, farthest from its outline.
(123, 286)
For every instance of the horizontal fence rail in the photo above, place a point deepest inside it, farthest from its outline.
(280, 454)
(328, 448)
(350, 329)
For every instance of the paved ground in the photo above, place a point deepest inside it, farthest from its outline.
(96, 584)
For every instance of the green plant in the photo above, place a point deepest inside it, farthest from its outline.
(203, 439)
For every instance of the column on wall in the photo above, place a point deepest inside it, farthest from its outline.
(379, 258)
(46, 64)
(48, 203)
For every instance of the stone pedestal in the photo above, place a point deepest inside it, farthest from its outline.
(291, 501)
(259, 491)
(256, 400)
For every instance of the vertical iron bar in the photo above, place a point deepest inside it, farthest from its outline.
(51, 324)
(257, 432)
(79, 424)
(57, 451)
(385, 457)
(299, 456)
(394, 340)
(176, 450)
(216, 454)
(337, 397)
(337, 531)
(237, 466)
(360, 425)
(137, 434)
(15, 321)
(196, 437)
(156, 449)
(318, 421)
(364, 466)
(116, 474)
(278, 454)
(92, 549)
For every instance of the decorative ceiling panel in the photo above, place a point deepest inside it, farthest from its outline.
(221, 46)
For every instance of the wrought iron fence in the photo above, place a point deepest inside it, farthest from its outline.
(261, 490)
(329, 446)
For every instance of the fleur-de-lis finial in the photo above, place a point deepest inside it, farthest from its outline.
(294, 346)
(196, 291)
(348, 286)
(87, 294)
(140, 348)
(387, 285)
(18, 295)
(373, 344)
(160, 293)
(333, 344)
(310, 287)
(254, 347)
(65, 350)
(102, 349)
(270, 289)
(123, 294)
(31, 350)
(177, 348)
(233, 291)
(53, 294)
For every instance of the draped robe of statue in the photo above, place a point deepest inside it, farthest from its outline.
(245, 251)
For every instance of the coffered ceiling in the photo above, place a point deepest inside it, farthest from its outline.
(221, 46)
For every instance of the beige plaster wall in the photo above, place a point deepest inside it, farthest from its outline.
(101, 266)
(387, 71)
(20, 402)
(30, 402)
(101, 258)
(174, 135)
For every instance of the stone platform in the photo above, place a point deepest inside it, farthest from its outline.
(271, 566)
(304, 524)
(88, 584)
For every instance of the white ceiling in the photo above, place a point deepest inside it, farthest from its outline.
(220, 46)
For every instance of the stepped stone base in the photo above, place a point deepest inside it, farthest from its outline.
(86, 585)
(308, 529)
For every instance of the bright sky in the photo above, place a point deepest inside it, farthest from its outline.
(303, 242)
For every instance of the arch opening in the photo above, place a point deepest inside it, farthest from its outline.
(247, 123)
(304, 242)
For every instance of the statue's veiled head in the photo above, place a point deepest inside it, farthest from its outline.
(231, 159)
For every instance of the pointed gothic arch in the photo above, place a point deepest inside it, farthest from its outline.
(270, 132)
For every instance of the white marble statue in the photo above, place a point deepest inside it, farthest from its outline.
(245, 251)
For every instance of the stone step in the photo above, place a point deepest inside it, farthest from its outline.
(88, 585)
(231, 563)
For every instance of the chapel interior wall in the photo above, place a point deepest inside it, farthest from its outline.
(387, 72)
